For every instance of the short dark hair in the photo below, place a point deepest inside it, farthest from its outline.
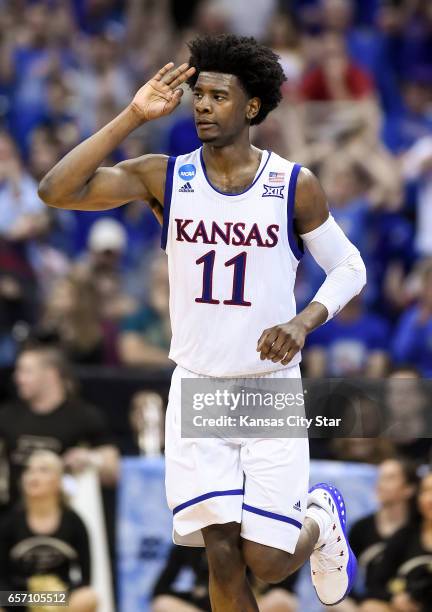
(257, 67)
(54, 357)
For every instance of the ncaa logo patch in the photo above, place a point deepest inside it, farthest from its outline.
(187, 172)
(272, 191)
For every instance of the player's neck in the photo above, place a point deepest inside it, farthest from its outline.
(224, 160)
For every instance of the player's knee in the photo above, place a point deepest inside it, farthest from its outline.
(223, 552)
(225, 561)
(269, 574)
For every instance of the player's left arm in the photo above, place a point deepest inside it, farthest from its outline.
(339, 258)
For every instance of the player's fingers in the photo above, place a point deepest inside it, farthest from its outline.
(182, 78)
(277, 345)
(282, 351)
(261, 340)
(174, 100)
(290, 354)
(173, 75)
(163, 71)
(267, 342)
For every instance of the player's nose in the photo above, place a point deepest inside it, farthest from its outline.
(203, 105)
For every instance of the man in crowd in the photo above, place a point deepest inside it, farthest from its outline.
(49, 415)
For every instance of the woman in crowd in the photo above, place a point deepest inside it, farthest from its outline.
(395, 490)
(403, 580)
(44, 544)
(71, 319)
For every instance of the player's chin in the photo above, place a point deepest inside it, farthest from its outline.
(210, 134)
(208, 138)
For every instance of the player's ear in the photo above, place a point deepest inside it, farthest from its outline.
(253, 108)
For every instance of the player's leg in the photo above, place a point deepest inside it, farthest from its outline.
(205, 486)
(273, 564)
(283, 526)
(229, 587)
(322, 538)
(277, 536)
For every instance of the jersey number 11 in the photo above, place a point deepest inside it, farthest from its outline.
(237, 297)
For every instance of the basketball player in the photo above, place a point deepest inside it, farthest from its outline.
(234, 219)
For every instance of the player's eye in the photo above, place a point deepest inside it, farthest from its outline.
(219, 98)
(197, 96)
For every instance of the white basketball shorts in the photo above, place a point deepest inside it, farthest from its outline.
(261, 483)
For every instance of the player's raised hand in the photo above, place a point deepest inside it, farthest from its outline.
(282, 342)
(162, 94)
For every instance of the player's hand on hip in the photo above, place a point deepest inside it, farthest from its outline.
(282, 342)
(161, 94)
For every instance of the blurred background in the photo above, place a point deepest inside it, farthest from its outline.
(84, 322)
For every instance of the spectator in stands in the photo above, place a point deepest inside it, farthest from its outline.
(415, 46)
(408, 414)
(146, 334)
(354, 343)
(412, 342)
(337, 78)
(35, 54)
(337, 95)
(72, 319)
(22, 214)
(403, 580)
(45, 150)
(23, 218)
(410, 120)
(363, 450)
(102, 267)
(192, 595)
(284, 38)
(50, 415)
(417, 167)
(396, 489)
(363, 420)
(102, 77)
(147, 421)
(44, 544)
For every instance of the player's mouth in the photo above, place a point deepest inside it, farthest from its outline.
(205, 124)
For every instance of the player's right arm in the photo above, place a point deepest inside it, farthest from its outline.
(78, 182)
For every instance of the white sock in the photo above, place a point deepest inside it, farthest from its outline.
(322, 519)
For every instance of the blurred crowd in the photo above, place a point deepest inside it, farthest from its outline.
(357, 110)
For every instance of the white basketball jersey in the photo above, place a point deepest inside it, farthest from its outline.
(232, 264)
